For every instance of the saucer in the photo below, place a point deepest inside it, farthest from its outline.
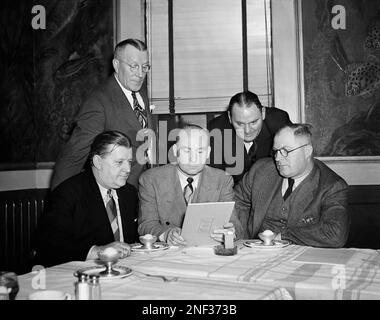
(256, 243)
(96, 270)
(157, 246)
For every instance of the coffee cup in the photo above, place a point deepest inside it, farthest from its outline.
(49, 295)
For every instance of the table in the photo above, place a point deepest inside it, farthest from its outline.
(254, 273)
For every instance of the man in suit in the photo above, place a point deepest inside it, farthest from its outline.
(116, 105)
(243, 134)
(93, 210)
(294, 195)
(165, 191)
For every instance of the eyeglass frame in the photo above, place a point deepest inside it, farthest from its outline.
(136, 67)
(281, 150)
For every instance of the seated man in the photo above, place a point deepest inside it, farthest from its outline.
(247, 131)
(93, 210)
(294, 195)
(165, 191)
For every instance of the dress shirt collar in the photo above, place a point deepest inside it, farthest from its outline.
(183, 178)
(128, 94)
(103, 192)
(297, 181)
(248, 145)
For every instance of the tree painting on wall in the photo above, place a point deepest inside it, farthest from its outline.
(342, 76)
(48, 73)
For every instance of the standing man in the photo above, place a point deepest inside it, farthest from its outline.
(117, 105)
(165, 191)
(247, 131)
(94, 209)
(294, 195)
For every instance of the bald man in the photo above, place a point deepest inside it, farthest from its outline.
(294, 195)
(165, 191)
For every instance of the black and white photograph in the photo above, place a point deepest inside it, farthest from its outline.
(188, 156)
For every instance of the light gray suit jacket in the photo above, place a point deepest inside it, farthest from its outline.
(162, 205)
(318, 212)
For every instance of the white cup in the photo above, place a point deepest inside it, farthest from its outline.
(49, 295)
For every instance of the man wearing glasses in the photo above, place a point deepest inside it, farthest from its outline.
(294, 195)
(120, 104)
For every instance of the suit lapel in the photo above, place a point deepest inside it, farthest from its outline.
(205, 183)
(95, 204)
(263, 142)
(303, 194)
(123, 104)
(264, 195)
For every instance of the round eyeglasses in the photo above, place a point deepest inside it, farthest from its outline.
(135, 67)
(285, 152)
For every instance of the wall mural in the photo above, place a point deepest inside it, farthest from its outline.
(342, 77)
(47, 74)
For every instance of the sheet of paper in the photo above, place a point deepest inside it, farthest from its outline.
(202, 218)
(325, 256)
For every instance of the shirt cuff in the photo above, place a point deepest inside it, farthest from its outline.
(92, 255)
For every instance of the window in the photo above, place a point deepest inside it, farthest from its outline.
(215, 54)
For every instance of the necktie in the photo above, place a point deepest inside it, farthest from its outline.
(252, 153)
(140, 112)
(290, 188)
(112, 215)
(188, 191)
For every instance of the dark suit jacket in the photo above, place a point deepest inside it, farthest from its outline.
(162, 205)
(106, 109)
(318, 212)
(274, 120)
(76, 219)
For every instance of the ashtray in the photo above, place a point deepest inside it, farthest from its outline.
(220, 250)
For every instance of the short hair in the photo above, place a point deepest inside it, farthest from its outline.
(191, 126)
(101, 142)
(138, 44)
(244, 99)
(299, 129)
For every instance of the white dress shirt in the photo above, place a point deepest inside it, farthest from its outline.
(128, 94)
(105, 197)
(285, 182)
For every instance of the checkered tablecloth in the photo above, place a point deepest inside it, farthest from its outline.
(254, 273)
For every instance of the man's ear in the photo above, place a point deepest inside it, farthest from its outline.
(263, 112)
(175, 150)
(229, 116)
(97, 162)
(208, 152)
(115, 64)
(309, 151)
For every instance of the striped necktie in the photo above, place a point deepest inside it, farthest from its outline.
(112, 215)
(139, 111)
(290, 188)
(188, 191)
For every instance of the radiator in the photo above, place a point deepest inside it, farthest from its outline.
(18, 225)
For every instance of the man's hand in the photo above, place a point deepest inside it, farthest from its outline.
(173, 237)
(123, 248)
(218, 233)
